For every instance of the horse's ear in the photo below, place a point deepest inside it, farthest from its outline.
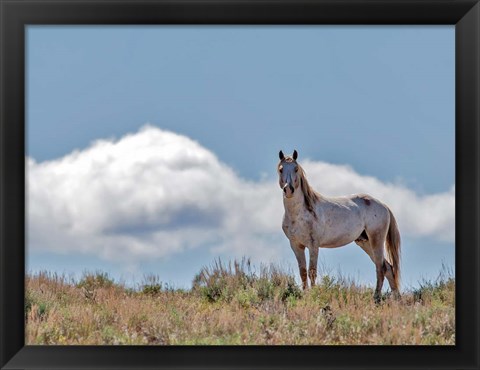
(281, 156)
(295, 155)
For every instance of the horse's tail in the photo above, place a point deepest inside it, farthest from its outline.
(393, 248)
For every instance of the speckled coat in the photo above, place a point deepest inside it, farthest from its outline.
(314, 221)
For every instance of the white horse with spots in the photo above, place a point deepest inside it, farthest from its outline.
(314, 221)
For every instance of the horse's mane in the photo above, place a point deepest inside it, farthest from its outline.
(310, 196)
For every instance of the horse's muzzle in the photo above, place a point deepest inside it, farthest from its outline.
(288, 190)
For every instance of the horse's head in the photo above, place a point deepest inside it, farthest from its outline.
(288, 173)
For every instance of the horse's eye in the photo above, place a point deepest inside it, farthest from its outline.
(281, 169)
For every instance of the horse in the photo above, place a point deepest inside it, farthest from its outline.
(314, 221)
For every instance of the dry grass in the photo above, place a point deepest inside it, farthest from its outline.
(232, 304)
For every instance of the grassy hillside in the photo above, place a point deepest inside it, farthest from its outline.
(232, 304)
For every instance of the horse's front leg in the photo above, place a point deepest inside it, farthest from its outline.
(299, 251)
(312, 266)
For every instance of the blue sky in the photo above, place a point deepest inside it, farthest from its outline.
(379, 99)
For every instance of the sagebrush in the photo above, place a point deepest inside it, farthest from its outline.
(232, 303)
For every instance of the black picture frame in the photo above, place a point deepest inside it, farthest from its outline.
(16, 14)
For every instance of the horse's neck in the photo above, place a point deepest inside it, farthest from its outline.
(295, 206)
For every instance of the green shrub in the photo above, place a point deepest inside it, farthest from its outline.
(90, 283)
(290, 290)
(151, 285)
(265, 289)
(221, 281)
(37, 302)
(247, 297)
(28, 302)
(95, 280)
(435, 291)
(237, 280)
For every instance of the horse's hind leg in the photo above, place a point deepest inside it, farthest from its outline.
(391, 279)
(377, 245)
(299, 251)
(365, 245)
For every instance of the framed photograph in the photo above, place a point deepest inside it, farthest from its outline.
(239, 184)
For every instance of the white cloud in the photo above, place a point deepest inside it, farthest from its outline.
(156, 193)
